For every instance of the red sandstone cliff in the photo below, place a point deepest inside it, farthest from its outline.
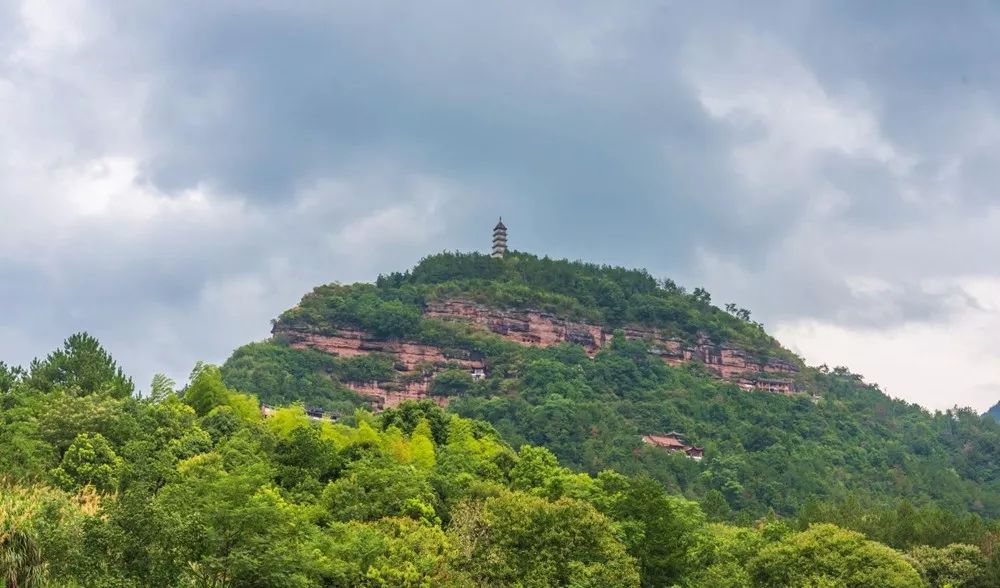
(417, 363)
(531, 327)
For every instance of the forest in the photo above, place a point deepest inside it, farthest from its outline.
(270, 471)
(194, 486)
(841, 441)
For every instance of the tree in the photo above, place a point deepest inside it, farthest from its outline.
(408, 415)
(81, 365)
(451, 382)
(660, 529)
(718, 559)
(715, 506)
(956, 565)
(422, 446)
(21, 562)
(206, 390)
(391, 552)
(519, 539)
(233, 529)
(375, 488)
(392, 319)
(89, 461)
(9, 376)
(826, 555)
(161, 387)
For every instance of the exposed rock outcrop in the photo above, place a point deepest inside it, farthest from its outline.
(531, 327)
(417, 363)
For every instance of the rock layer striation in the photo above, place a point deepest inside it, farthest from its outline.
(417, 363)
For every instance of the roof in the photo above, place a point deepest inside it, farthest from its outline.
(500, 225)
(662, 441)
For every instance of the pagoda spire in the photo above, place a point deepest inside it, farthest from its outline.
(499, 240)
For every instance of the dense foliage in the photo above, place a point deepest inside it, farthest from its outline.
(600, 294)
(301, 375)
(196, 487)
(842, 441)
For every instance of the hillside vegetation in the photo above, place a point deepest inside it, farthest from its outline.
(839, 445)
(195, 487)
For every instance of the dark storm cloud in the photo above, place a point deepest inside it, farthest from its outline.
(567, 112)
(263, 102)
(807, 160)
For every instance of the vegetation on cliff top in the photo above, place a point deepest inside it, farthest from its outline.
(846, 444)
(194, 487)
(603, 295)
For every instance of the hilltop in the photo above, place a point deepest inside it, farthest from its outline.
(802, 476)
(589, 360)
(995, 411)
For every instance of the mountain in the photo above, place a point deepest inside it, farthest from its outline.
(610, 368)
(803, 476)
(995, 411)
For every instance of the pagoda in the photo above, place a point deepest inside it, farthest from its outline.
(499, 240)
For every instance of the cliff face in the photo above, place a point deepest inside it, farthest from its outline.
(417, 363)
(521, 326)
(543, 329)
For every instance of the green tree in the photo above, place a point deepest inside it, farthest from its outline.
(375, 488)
(956, 565)
(392, 319)
(89, 461)
(408, 415)
(81, 365)
(826, 555)
(161, 388)
(517, 539)
(660, 530)
(718, 559)
(9, 376)
(391, 552)
(233, 529)
(206, 390)
(422, 446)
(451, 382)
(22, 564)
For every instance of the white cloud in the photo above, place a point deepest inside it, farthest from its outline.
(786, 122)
(937, 364)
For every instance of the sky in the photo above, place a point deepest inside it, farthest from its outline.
(175, 174)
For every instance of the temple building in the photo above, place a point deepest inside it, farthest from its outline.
(499, 239)
(674, 442)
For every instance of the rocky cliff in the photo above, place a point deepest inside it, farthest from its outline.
(532, 327)
(417, 363)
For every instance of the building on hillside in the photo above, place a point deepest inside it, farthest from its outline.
(764, 383)
(315, 414)
(478, 373)
(674, 442)
(499, 240)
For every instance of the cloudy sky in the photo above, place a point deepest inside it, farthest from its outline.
(174, 174)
